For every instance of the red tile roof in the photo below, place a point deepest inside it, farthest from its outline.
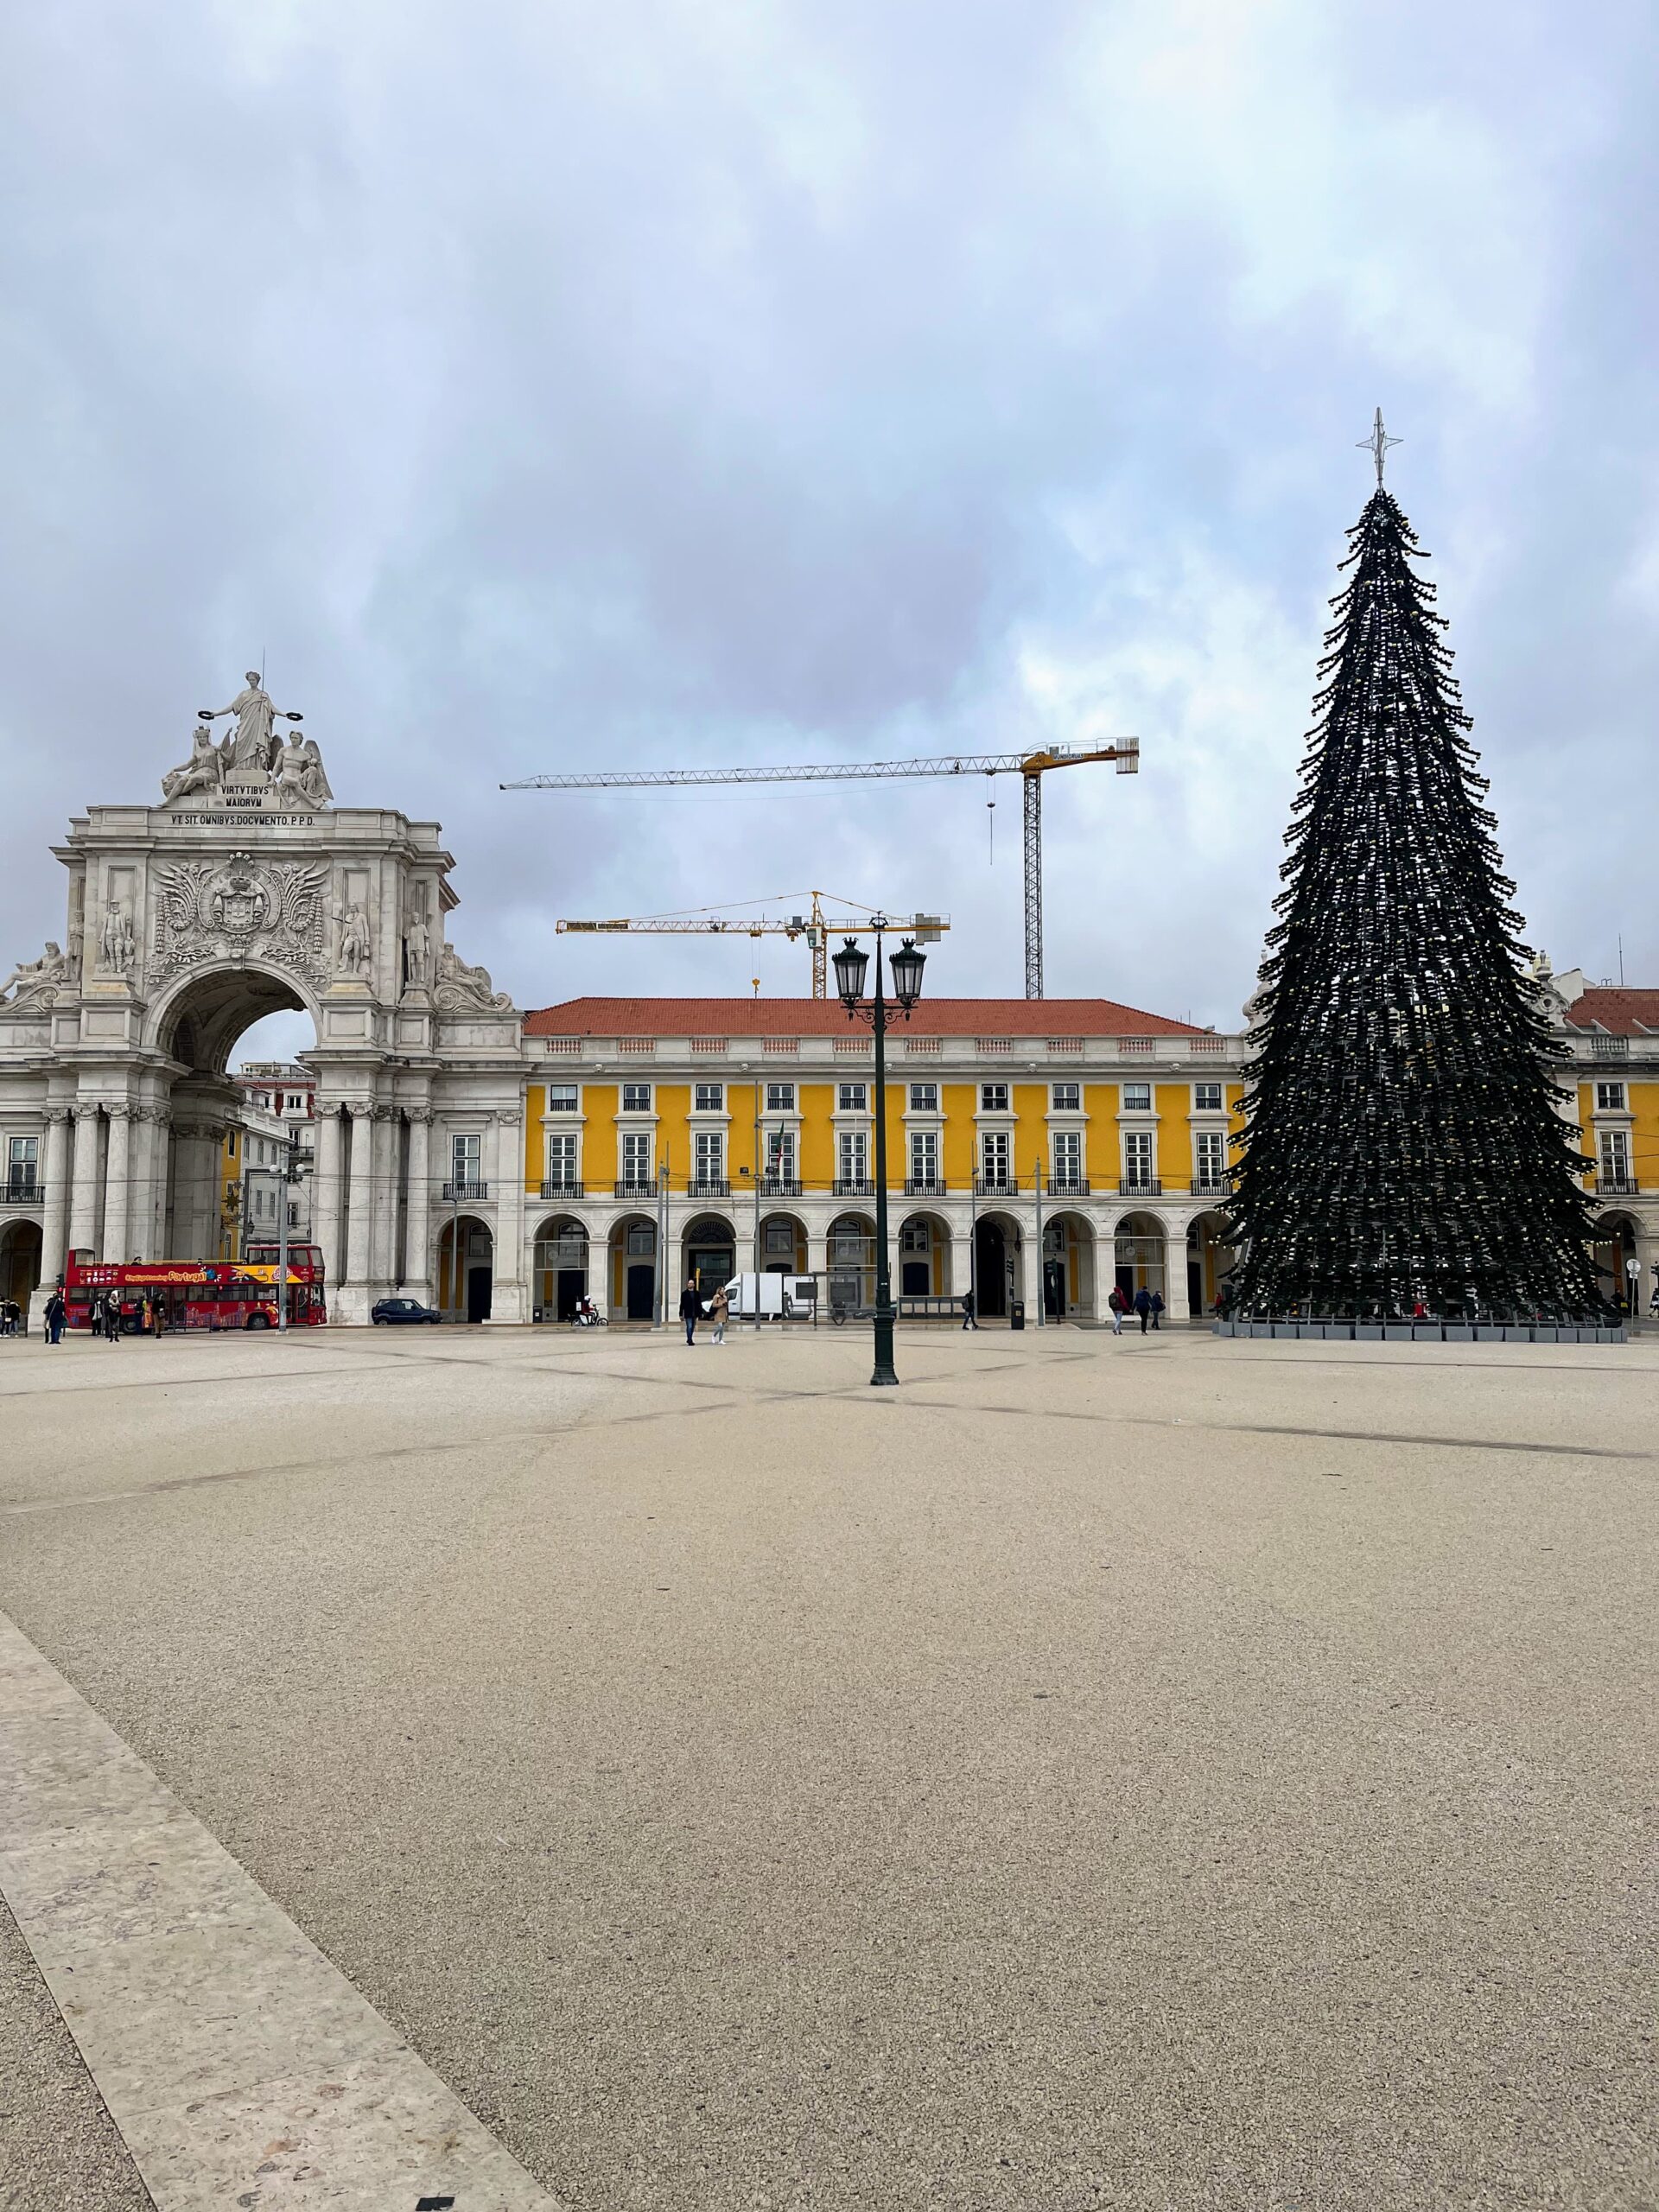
(827, 1017)
(1620, 1012)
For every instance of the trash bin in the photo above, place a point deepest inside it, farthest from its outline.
(1017, 1314)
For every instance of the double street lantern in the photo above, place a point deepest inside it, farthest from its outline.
(852, 966)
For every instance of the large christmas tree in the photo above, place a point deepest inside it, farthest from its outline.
(1403, 1139)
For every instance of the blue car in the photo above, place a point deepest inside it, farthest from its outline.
(403, 1309)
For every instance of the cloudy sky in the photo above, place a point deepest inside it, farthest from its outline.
(540, 386)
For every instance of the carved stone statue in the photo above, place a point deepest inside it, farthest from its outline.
(115, 943)
(202, 771)
(314, 780)
(459, 985)
(417, 951)
(254, 743)
(34, 978)
(299, 776)
(355, 943)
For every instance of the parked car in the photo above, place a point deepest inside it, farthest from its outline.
(403, 1309)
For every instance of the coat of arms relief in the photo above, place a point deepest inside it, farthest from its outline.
(206, 910)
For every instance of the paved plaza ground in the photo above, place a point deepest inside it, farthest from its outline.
(1151, 1773)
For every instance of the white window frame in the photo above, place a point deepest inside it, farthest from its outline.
(708, 1156)
(1210, 1144)
(998, 1145)
(992, 1098)
(707, 1098)
(1610, 1098)
(569, 1144)
(852, 1098)
(1201, 1104)
(1065, 1098)
(1140, 1160)
(635, 1143)
(1134, 1103)
(1065, 1167)
(558, 1092)
(924, 1156)
(642, 1104)
(853, 1156)
(923, 1097)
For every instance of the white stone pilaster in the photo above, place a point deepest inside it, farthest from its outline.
(359, 1219)
(83, 1186)
(117, 1183)
(325, 1197)
(54, 1226)
(417, 1228)
(507, 1300)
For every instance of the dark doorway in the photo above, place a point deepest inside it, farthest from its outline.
(918, 1278)
(990, 1270)
(1054, 1289)
(478, 1292)
(570, 1289)
(642, 1291)
(1195, 1286)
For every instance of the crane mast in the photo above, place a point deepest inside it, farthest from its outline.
(1031, 766)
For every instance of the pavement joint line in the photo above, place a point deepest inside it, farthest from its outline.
(239, 2065)
(1107, 1419)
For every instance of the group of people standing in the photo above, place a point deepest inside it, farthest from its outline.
(1146, 1304)
(108, 1317)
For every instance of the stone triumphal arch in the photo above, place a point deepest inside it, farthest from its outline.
(246, 889)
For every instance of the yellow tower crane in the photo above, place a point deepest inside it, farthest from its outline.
(815, 925)
(1030, 767)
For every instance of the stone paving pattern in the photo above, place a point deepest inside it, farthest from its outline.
(1151, 1773)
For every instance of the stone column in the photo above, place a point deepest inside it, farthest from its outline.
(117, 1183)
(962, 1263)
(508, 1293)
(55, 1228)
(417, 1232)
(83, 1187)
(383, 1236)
(361, 1219)
(1178, 1304)
(325, 1197)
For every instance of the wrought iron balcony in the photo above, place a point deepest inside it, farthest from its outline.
(1212, 1186)
(1068, 1186)
(925, 1186)
(707, 1186)
(1140, 1186)
(561, 1186)
(853, 1186)
(1616, 1186)
(23, 1192)
(635, 1186)
(465, 1193)
(780, 1186)
(996, 1187)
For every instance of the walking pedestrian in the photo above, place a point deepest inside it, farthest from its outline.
(719, 1307)
(690, 1308)
(1143, 1307)
(1116, 1303)
(111, 1317)
(55, 1318)
(1157, 1306)
(969, 1321)
(8, 1318)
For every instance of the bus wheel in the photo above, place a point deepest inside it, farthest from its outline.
(258, 1320)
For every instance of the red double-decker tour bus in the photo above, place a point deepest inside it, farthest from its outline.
(201, 1294)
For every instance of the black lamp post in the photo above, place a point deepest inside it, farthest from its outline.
(851, 966)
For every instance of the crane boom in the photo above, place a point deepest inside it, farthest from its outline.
(1031, 766)
(816, 927)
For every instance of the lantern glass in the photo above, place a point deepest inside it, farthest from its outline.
(851, 965)
(908, 965)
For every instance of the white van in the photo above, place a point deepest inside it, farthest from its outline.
(776, 1297)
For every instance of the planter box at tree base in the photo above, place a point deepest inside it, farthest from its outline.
(1450, 1332)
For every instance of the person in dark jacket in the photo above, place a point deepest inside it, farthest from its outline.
(1157, 1306)
(56, 1313)
(1117, 1304)
(967, 1320)
(690, 1308)
(1143, 1306)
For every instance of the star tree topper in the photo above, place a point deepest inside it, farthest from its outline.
(1377, 444)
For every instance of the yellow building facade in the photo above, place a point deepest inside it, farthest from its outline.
(1038, 1153)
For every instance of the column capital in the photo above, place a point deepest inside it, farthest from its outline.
(360, 1109)
(418, 1117)
(53, 1114)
